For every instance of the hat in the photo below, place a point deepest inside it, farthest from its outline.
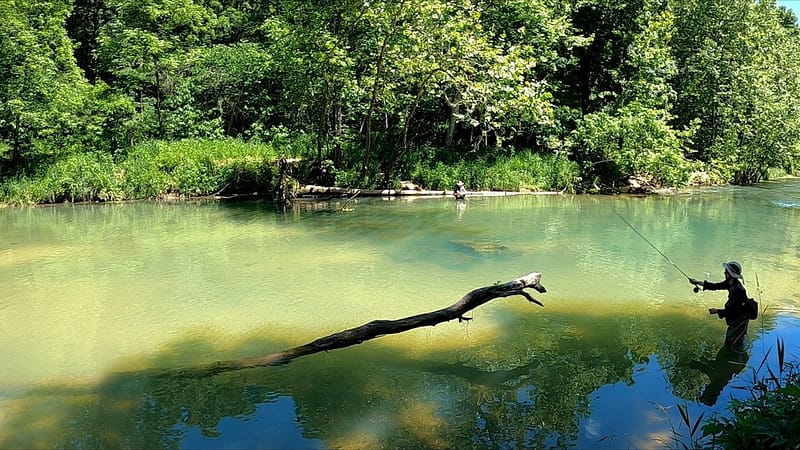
(733, 268)
(460, 183)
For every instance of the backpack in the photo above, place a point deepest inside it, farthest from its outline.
(751, 306)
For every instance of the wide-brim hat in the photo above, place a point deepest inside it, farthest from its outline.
(734, 269)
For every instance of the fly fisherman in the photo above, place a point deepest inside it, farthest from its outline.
(739, 309)
(459, 191)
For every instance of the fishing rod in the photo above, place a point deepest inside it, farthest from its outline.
(696, 289)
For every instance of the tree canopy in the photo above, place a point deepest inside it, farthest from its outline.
(381, 90)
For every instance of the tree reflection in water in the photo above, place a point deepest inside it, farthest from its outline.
(530, 387)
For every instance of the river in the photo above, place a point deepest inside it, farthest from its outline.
(100, 302)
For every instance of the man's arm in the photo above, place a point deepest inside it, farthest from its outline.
(709, 286)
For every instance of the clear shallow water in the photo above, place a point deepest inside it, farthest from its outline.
(96, 296)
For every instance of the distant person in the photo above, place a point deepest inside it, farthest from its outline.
(460, 192)
(738, 310)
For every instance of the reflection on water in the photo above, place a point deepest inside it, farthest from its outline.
(720, 370)
(99, 300)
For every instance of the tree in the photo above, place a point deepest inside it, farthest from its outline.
(738, 77)
(141, 48)
(631, 135)
(223, 90)
(464, 73)
(310, 44)
(42, 91)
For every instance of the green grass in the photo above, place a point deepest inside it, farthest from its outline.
(522, 171)
(77, 177)
(148, 171)
(196, 168)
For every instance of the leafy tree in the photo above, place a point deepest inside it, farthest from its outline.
(314, 67)
(461, 76)
(387, 87)
(738, 77)
(632, 135)
(227, 90)
(140, 50)
(42, 91)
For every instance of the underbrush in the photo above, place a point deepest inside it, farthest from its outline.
(520, 172)
(196, 168)
(148, 171)
(77, 177)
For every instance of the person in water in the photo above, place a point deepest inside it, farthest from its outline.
(737, 309)
(459, 191)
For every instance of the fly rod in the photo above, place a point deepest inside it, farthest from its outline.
(696, 289)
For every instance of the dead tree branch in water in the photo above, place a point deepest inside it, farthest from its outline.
(377, 328)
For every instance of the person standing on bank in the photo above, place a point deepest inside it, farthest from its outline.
(738, 309)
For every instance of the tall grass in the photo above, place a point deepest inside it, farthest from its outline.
(196, 167)
(76, 177)
(199, 167)
(692, 437)
(148, 171)
(519, 172)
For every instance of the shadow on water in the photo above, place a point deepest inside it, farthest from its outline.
(530, 387)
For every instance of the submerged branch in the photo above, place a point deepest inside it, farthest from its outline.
(377, 328)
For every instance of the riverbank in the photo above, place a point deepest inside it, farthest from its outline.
(187, 169)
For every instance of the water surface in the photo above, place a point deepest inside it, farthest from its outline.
(97, 299)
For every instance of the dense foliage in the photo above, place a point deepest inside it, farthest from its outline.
(385, 90)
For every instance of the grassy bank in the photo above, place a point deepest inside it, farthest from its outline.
(192, 168)
(148, 171)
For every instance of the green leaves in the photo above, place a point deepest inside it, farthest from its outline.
(739, 65)
(632, 141)
(40, 86)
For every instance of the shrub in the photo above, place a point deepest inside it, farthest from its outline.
(632, 141)
(197, 167)
(77, 177)
(522, 171)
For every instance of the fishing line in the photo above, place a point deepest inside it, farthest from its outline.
(696, 289)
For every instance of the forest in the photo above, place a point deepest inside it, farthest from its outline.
(108, 100)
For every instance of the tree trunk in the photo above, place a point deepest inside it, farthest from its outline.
(159, 110)
(377, 83)
(378, 328)
(322, 122)
(283, 193)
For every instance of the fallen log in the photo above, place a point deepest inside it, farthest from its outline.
(378, 328)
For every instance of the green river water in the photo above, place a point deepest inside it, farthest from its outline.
(98, 300)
